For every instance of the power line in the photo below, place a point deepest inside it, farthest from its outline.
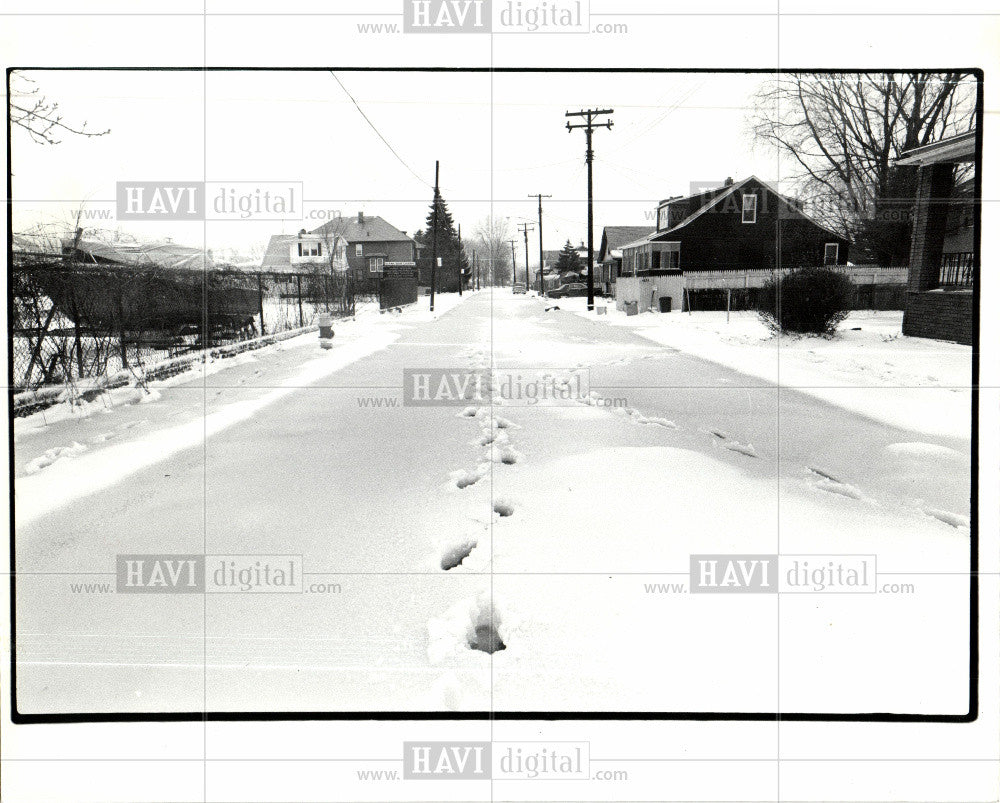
(365, 116)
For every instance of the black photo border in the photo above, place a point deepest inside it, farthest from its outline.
(971, 715)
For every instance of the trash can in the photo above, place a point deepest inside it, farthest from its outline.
(666, 303)
(325, 321)
(631, 307)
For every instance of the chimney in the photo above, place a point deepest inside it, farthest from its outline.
(728, 182)
(301, 233)
(361, 218)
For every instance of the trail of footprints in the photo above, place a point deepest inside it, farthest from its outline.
(495, 442)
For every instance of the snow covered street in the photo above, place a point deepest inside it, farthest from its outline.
(566, 529)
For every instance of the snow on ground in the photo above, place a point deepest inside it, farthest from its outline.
(516, 562)
(74, 408)
(579, 537)
(51, 481)
(581, 532)
(930, 379)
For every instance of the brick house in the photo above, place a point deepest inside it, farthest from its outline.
(737, 226)
(373, 246)
(943, 263)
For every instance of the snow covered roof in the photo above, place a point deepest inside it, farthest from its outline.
(164, 254)
(960, 148)
(277, 257)
(615, 237)
(363, 229)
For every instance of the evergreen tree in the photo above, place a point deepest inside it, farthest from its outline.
(449, 250)
(569, 260)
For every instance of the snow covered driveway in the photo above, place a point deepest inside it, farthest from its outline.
(554, 538)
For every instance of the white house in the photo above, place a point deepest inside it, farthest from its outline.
(304, 253)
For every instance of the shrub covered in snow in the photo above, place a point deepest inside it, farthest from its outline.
(807, 300)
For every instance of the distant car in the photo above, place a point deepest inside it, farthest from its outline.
(571, 289)
(520, 288)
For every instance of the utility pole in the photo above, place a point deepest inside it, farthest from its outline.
(589, 126)
(434, 235)
(526, 227)
(513, 265)
(541, 252)
(461, 259)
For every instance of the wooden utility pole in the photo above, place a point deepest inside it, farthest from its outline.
(541, 252)
(526, 227)
(434, 235)
(513, 265)
(589, 126)
(461, 259)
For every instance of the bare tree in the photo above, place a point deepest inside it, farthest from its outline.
(39, 116)
(491, 242)
(844, 132)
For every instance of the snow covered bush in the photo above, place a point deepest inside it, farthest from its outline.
(806, 300)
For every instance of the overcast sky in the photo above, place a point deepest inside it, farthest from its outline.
(499, 137)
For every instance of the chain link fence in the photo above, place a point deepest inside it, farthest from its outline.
(74, 321)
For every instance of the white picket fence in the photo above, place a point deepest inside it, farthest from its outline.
(758, 277)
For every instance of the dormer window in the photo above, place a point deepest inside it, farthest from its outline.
(750, 208)
(309, 249)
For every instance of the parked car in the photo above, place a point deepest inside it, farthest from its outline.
(519, 288)
(571, 289)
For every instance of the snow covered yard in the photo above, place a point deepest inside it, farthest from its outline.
(928, 381)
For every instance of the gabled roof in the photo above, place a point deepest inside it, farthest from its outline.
(277, 258)
(707, 194)
(373, 229)
(717, 198)
(615, 237)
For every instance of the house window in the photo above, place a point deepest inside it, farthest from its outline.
(375, 264)
(669, 256)
(831, 253)
(310, 249)
(750, 208)
(358, 249)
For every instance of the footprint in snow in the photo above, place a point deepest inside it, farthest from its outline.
(503, 507)
(453, 556)
(952, 519)
(53, 455)
(827, 482)
(741, 448)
